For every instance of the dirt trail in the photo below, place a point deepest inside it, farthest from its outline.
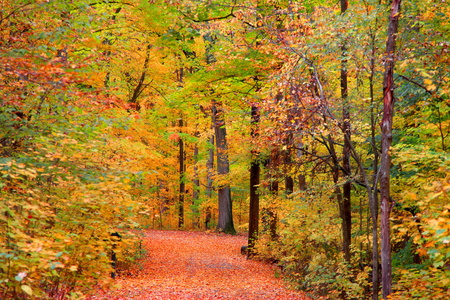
(197, 265)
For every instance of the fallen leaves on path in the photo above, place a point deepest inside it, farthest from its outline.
(197, 265)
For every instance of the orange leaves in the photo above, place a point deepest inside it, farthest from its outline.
(196, 265)
(174, 137)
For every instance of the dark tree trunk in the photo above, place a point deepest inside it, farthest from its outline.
(225, 222)
(288, 180)
(386, 141)
(209, 181)
(253, 220)
(346, 202)
(196, 188)
(289, 185)
(273, 218)
(337, 191)
(274, 187)
(302, 182)
(182, 184)
(301, 177)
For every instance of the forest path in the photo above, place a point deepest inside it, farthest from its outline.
(198, 265)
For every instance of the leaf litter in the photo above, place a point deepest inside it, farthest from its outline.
(198, 265)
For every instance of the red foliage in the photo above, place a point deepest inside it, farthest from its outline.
(197, 265)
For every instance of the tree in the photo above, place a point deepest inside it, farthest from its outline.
(346, 213)
(253, 219)
(225, 222)
(386, 142)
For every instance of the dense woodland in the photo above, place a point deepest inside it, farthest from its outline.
(319, 127)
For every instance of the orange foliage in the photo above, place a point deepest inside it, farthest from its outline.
(197, 265)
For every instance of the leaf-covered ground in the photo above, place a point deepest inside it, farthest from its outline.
(197, 265)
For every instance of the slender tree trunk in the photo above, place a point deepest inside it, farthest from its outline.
(209, 181)
(301, 177)
(337, 191)
(374, 204)
(196, 188)
(253, 220)
(346, 203)
(210, 40)
(182, 184)
(288, 180)
(274, 187)
(287, 162)
(386, 141)
(225, 222)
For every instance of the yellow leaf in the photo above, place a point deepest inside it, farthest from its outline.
(428, 81)
(27, 289)
(73, 268)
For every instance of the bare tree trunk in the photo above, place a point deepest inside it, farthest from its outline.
(196, 188)
(253, 219)
(386, 141)
(274, 187)
(287, 164)
(374, 204)
(182, 184)
(346, 203)
(225, 222)
(209, 181)
(288, 180)
(337, 191)
(209, 60)
(301, 177)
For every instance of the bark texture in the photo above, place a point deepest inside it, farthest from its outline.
(182, 184)
(195, 194)
(225, 222)
(209, 181)
(374, 199)
(386, 141)
(253, 220)
(346, 212)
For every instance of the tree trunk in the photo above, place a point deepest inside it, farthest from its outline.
(209, 181)
(182, 184)
(274, 187)
(225, 222)
(386, 141)
(287, 162)
(374, 202)
(253, 220)
(346, 203)
(209, 60)
(346, 236)
(196, 188)
(301, 177)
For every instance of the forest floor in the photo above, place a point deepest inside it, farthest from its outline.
(199, 265)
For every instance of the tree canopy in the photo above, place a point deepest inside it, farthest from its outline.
(320, 128)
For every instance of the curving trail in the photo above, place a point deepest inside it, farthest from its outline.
(198, 265)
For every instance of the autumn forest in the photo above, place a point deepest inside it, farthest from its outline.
(314, 134)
